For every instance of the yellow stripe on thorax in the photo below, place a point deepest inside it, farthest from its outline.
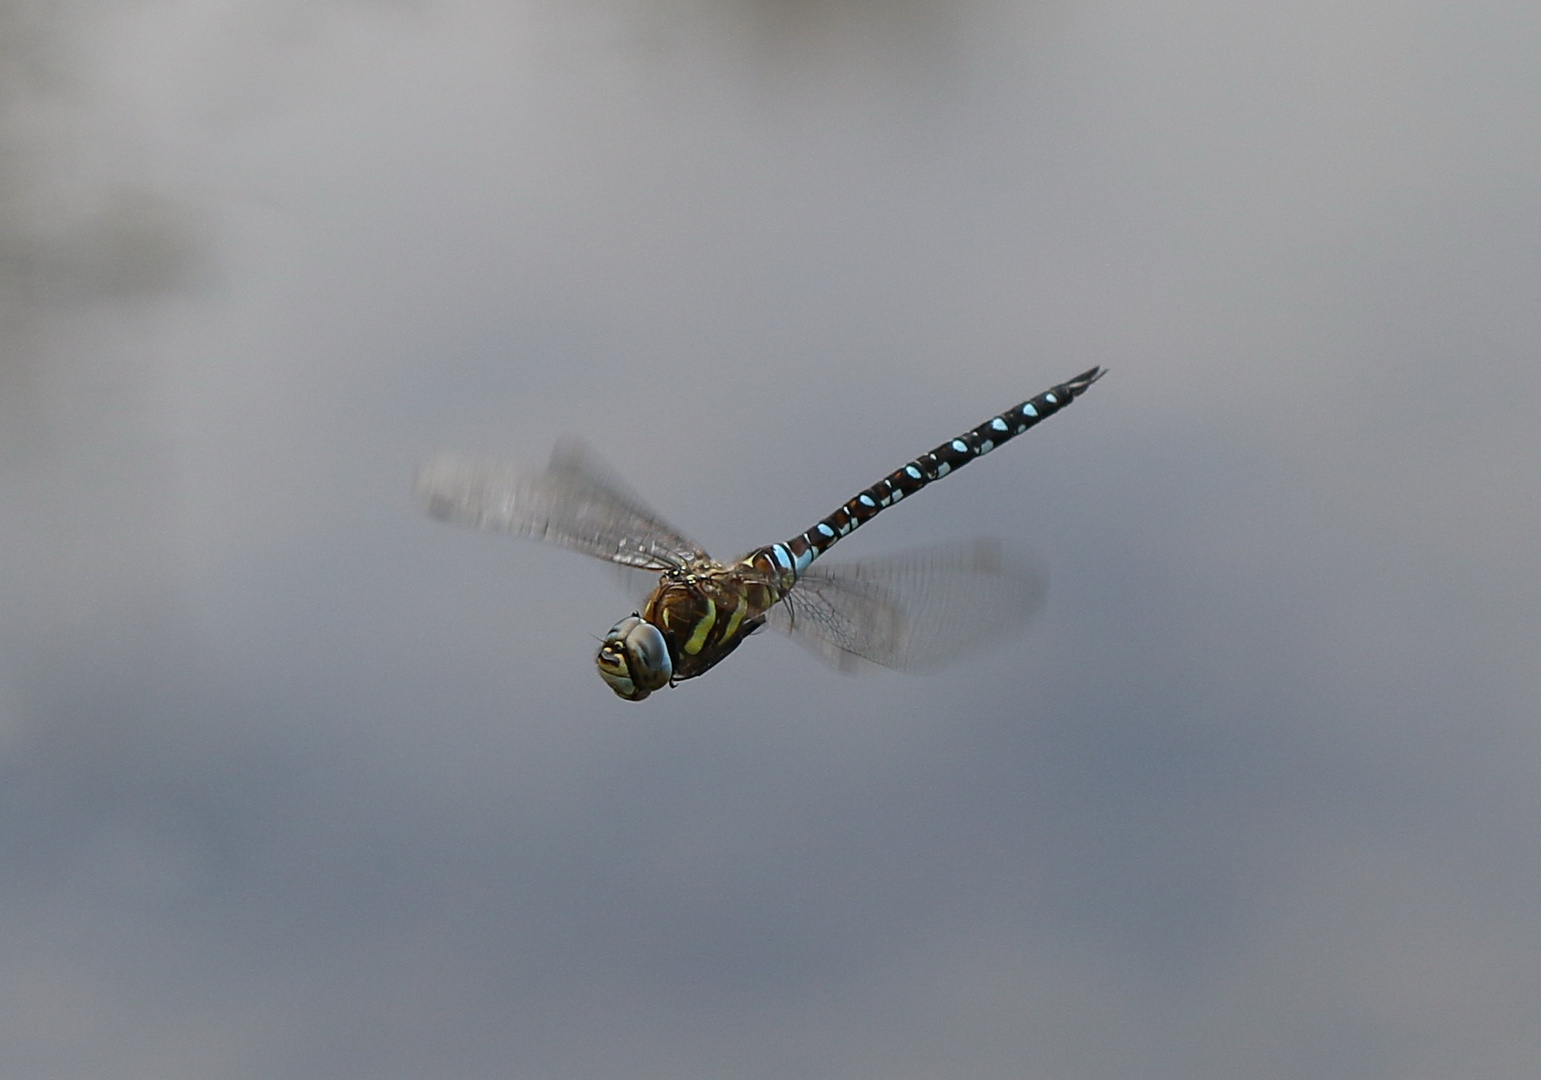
(736, 618)
(704, 627)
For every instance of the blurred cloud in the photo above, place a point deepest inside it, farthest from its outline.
(78, 229)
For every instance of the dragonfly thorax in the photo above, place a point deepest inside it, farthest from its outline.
(694, 618)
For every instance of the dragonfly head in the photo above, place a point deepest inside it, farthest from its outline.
(634, 659)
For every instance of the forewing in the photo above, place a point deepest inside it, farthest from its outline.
(916, 610)
(577, 503)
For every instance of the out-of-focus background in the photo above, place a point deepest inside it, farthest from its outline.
(297, 783)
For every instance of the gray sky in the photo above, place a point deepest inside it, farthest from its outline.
(295, 782)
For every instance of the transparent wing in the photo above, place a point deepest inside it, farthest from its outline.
(577, 502)
(912, 611)
(638, 585)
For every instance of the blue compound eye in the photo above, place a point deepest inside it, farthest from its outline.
(634, 658)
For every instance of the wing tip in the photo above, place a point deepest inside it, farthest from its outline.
(432, 474)
(448, 485)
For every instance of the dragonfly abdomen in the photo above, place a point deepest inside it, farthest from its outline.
(798, 552)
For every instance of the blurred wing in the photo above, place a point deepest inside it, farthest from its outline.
(577, 503)
(638, 585)
(917, 610)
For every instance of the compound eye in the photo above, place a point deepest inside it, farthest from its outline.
(634, 658)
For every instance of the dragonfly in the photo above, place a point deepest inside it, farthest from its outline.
(907, 611)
